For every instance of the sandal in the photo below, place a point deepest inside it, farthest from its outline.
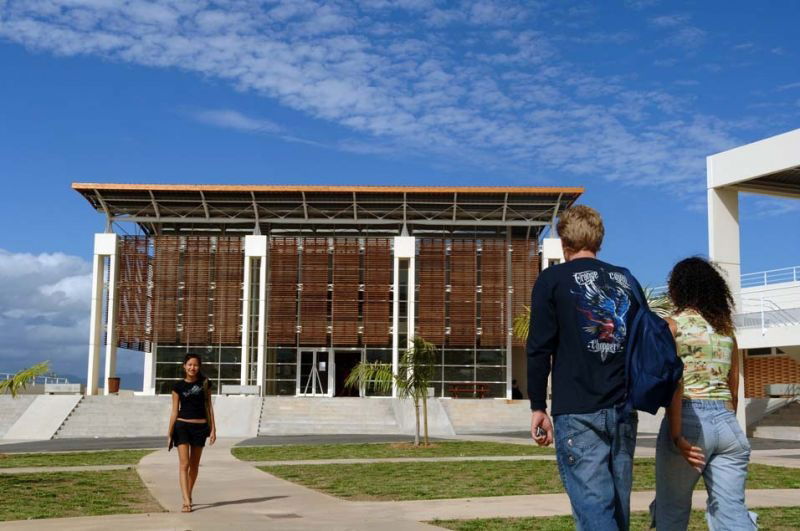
(187, 508)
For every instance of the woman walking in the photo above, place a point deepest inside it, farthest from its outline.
(191, 422)
(700, 435)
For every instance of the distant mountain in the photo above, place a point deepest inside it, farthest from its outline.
(128, 380)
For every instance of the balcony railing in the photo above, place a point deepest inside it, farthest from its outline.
(38, 380)
(774, 276)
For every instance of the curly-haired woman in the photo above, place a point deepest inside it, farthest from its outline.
(700, 435)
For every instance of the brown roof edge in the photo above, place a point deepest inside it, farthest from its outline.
(88, 187)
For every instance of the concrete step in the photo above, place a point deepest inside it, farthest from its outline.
(116, 416)
(12, 409)
(783, 423)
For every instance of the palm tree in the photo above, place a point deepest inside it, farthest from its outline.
(415, 372)
(659, 304)
(23, 378)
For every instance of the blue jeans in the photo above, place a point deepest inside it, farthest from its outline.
(595, 459)
(712, 427)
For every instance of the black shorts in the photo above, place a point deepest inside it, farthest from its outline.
(191, 433)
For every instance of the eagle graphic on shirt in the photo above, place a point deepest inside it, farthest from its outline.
(602, 304)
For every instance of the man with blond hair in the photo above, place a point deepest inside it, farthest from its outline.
(580, 314)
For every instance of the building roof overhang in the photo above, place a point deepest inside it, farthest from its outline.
(168, 208)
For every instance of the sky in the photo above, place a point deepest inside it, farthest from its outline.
(624, 98)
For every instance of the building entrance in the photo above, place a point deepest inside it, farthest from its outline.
(346, 360)
(314, 373)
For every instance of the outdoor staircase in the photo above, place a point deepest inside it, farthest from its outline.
(117, 416)
(781, 424)
(11, 409)
(306, 415)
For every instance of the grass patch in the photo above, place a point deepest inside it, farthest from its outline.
(773, 518)
(63, 494)
(112, 457)
(439, 480)
(381, 450)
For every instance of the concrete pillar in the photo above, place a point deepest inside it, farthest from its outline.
(105, 246)
(149, 379)
(724, 249)
(552, 252)
(404, 247)
(255, 247)
(245, 318)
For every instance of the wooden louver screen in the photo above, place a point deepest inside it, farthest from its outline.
(430, 277)
(462, 293)
(378, 273)
(346, 276)
(525, 269)
(314, 296)
(196, 281)
(131, 322)
(493, 293)
(282, 291)
(166, 259)
(227, 305)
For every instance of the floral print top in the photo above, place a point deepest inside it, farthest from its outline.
(706, 358)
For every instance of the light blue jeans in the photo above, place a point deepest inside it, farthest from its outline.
(595, 459)
(711, 426)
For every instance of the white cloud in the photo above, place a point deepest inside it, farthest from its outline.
(487, 98)
(232, 119)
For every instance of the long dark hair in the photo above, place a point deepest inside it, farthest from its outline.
(695, 283)
(200, 375)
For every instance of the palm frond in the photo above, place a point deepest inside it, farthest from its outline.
(375, 375)
(23, 378)
(522, 323)
(659, 304)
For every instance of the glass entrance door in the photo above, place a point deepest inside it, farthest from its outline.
(314, 372)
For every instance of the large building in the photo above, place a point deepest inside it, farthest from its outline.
(289, 287)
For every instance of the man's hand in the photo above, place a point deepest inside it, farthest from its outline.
(693, 454)
(539, 419)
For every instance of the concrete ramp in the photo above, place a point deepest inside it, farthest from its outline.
(237, 416)
(43, 417)
(11, 409)
(487, 415)
(307, 415)
(439, 424)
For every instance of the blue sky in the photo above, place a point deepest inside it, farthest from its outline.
(626, 99)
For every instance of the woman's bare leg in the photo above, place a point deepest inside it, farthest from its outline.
(194, 466)
(183, 473)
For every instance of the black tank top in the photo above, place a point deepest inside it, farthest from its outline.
(192, 399)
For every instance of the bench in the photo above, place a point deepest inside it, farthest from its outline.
(475, 389)
(231, 389)
(782, 389)
(63, 389)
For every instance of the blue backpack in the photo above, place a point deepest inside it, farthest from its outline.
(652, 367)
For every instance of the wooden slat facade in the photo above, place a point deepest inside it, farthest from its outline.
(430, 279)
(463, 293)
(524, 271)
(759, 371)
(377, 312)
(346, 279)
(227, 305)
(314, 296)
(166, 262)
(132, 294)
(282, 291)
(494, 288)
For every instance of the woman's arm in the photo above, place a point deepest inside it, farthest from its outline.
(733, 375)
(173, 415)
(211, 422)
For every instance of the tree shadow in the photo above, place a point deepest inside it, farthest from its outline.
(201, 506)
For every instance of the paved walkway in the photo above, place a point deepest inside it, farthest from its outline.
(233, 495)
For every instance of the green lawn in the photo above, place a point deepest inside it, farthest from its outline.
(379, 450)
(438, 480)
(62, 494)
(112, 457)
(772, 518)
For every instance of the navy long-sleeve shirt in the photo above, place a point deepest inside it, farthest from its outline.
(580, 312)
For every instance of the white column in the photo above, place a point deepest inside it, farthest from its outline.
(111, 329)
(245, 318)
(724, 249)
(149, 379)
(95, 322)
(552, 252)
(404, 247)
(255, 247)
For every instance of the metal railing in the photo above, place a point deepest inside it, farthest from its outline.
(773, 276)
(39, 380)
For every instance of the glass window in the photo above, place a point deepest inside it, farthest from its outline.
(384, 356)
(231, 355)
(287, 355)
(490, 374)
(490, 357)
(172, 371)
(459, 357)
(766, 351)
(464, 374)
(170, 353)
(230, 370)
